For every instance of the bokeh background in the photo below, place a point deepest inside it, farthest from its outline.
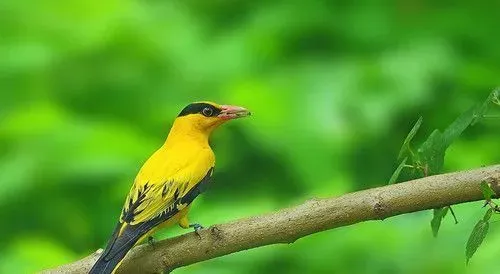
(89, 90)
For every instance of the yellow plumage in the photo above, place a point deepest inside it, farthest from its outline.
(172, 168)
(168, 181)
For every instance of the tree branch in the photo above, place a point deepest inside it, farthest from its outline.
(290, 224)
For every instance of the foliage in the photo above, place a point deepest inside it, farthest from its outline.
(488, 192)
(477, 236)
(430, 157)
(430, 160)
(439, 214)
(398, 170)
(406, 144)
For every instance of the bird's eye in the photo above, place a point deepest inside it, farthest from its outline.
(207, 112)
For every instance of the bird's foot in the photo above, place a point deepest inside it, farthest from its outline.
(151, 241)
(197, 228)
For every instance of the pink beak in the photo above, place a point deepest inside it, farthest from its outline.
(233, 112)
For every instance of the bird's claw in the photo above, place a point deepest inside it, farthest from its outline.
(197, 228)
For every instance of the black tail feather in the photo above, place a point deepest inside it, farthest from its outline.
(108, 265)
(119, 245)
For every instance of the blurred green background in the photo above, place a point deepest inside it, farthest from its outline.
(89, 90)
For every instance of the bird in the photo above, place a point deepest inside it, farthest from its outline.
(169, 181)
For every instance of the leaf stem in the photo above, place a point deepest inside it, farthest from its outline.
(453, 214)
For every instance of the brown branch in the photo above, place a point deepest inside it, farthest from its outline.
(290, 224)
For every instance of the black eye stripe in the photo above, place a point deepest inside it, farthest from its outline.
(198, 108)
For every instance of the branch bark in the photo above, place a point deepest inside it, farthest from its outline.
(288, 225)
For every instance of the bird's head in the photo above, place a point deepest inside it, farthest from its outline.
(204, 117)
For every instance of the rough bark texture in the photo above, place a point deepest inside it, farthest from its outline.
(290, 224)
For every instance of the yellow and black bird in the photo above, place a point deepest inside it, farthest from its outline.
(169, 181)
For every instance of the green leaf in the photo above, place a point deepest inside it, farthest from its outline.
(439, 214)
(396, 173)
(432, 152)
(495, 96)
(481, 110)
(406, 144)
(487, 215)
(476, 238)
(458, 126)
(488, 192)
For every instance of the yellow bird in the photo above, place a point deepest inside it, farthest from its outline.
(169, 181)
